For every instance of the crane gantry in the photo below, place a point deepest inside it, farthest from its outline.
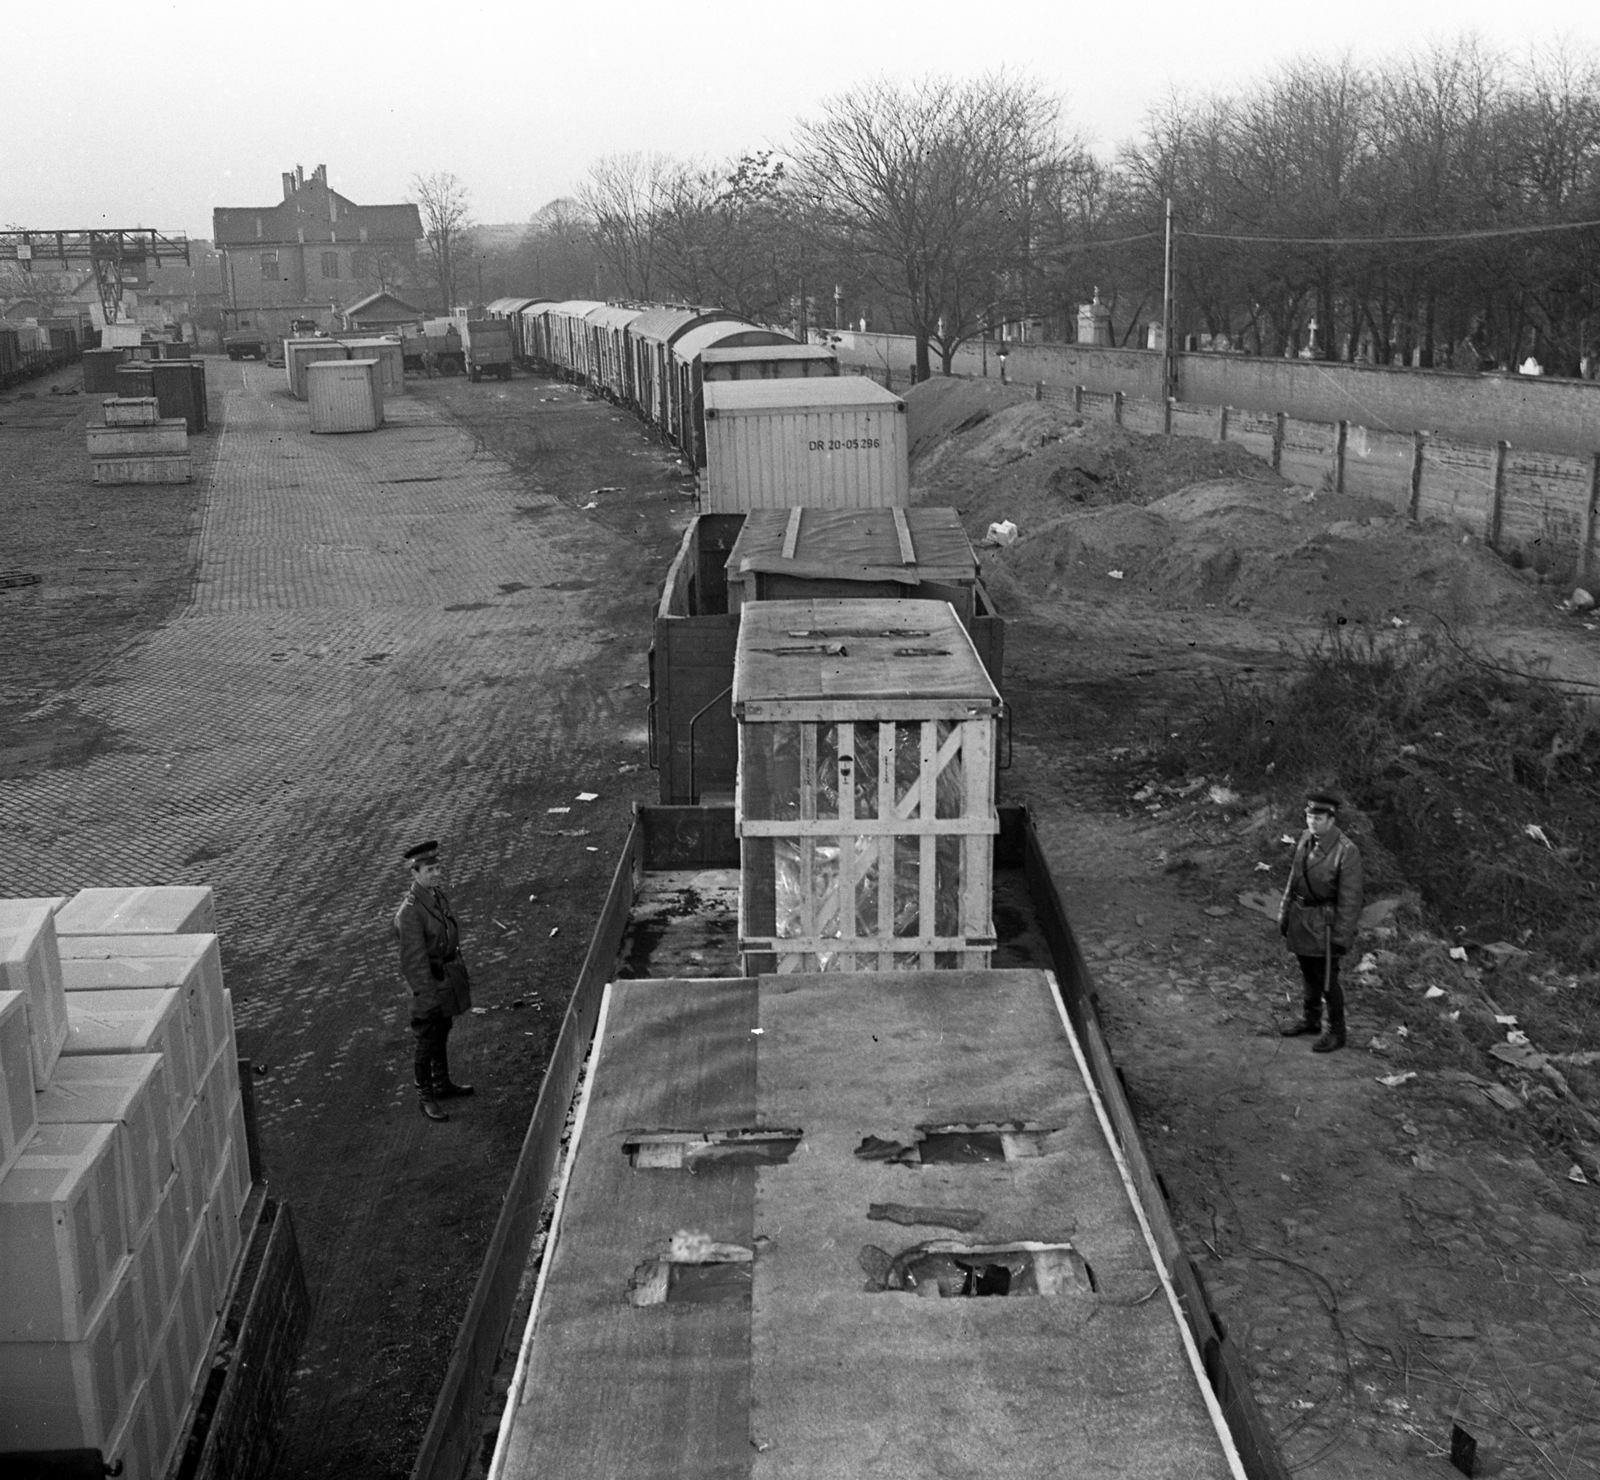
(108, 251)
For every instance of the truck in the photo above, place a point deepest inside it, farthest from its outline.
(245, 344)
(487, 344)
(438, 338)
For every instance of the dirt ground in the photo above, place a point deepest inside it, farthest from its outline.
(1394, 1250)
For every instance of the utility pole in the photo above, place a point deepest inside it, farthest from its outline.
(1169, 364)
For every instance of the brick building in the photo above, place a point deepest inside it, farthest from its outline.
(311, 254)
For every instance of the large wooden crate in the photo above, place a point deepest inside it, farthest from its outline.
(128, 1090)
(134, 1020)
(63, 1240)
(865, 805)
(173, 909)
(18, 1111)
(30, 963)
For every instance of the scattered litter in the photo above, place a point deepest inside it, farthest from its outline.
(1145, 792)
(1506, 1019)
(1263, 868)
(1504, 949)
(1222, 796)
(591, 850)
(1367, 964)
(1389, 1081)
(1286, 838)
(1217, 911)
(1576, 1175)
(588, 796)
(553, 810)
(757, 1032)
(1433, 992)
(1534, 831)
(1458, 953)
(1116, 575)
(532, 897)
(555, 930)
(567, 832)
(1517, 1036)
(1397, 621)
(1002, 533)
(480, 1011)
(1402, 1031)
(603, 488)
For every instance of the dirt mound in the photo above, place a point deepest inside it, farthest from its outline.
(1181, 522)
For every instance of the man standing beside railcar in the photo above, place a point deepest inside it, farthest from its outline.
(430, 961)
(1318, 917)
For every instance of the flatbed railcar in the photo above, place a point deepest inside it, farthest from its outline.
(823, 1221)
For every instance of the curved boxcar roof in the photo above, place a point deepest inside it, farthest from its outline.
(573, 307)
(613, 316)
(506, 307)
(702, 336)
(740, 353)
(666, 324)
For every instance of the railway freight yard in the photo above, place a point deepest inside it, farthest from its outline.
(274, 679)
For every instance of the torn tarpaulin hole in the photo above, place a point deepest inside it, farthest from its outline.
(695, 1151)
(693, 1269)
(962, 1142)
(947, 1269)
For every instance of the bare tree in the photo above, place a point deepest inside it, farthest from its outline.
(626, 198)
(444, 204)
(933, 185)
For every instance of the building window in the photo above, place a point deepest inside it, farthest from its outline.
(269, 266)
(330, 264)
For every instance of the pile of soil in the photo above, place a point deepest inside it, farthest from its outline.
(1182, 522)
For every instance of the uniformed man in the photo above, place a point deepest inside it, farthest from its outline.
(1318, 916)
(430, 961)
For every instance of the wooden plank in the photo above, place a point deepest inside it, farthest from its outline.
(791, 533)
(908, 553)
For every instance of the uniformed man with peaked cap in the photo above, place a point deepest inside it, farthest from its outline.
(430, 961)
(1318, 917)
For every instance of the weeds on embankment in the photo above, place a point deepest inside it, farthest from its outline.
(1480, 783)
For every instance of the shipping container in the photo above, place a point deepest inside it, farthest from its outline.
(390, 354)
(686, 405)
(650, 338)
(134, 382)
(866, 798)
(121, 336)
(345, 395)
(827, 442)
(298, 353)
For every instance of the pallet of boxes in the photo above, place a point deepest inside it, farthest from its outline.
(138, 445)
(151, 1296)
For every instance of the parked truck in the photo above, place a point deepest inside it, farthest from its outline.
(439, 339)
(487, 343)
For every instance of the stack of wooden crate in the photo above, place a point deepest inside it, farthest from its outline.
(138, 445)
(123, 1169)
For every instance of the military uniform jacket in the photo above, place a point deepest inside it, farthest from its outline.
(1324, 891)
(430, 953)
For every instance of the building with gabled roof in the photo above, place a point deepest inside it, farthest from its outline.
(311, 254)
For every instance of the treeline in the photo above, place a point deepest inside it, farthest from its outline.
(1334, 210)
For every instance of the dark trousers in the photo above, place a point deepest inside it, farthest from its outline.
(431, 1066)
(1312, 968)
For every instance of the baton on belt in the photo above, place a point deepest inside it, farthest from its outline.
(1327, 960)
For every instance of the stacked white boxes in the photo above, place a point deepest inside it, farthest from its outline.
(123, 1169)
(138, 445)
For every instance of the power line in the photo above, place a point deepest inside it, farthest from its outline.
(1383, 241)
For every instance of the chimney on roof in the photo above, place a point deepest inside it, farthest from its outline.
(299, 177)
(320, 176)
(288, 184)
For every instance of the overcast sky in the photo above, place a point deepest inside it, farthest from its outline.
(152, 112)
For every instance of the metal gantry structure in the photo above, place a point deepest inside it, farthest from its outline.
(112, 253)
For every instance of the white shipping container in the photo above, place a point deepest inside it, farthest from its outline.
(173, 909)
(30, 963)
(129, 1090)
(132, 411)
(63, 1215)
(391, 357)
(345, 396)
(134, 1021)
(836, 442)
(298, 353)
(18, 1110)
(73, 1394)
(169, 435)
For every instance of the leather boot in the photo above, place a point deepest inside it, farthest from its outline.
(430, 1106)
(451, 1091)
(1332, 1039)
(1299, 1027)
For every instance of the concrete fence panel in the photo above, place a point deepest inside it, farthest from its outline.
(1379, 465)
(1098, 405)
(1139, 415)
(1310, 450)
(1544, 506)
(1205, 422)
(1255, 432)
(1457, 484)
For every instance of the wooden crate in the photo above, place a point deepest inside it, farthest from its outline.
(131, 411)
(18, 1111)
(162, 468)
(128, 1090)
(193, 1180)
(133, 1446)
(839, 872)
(73, 1394)
(135, 1020)
(63, 1239)
(30, 963)
(174, 909)
(168, 436)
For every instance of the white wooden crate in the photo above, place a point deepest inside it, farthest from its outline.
(222, 1214)
(73, 1394)
(193, 961)
(18, 1107)
(128, 1089)
(133, 1020)
(134, 1446)
(173, 909)
(197, 1304)
(63, 1239)
(31, 964)
(193, 1184)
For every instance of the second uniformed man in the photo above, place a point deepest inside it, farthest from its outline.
(430, 962)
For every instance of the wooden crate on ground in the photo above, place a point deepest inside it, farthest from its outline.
(128, 1090)
(74, 1394)
(18, 1111)
(30, 963)
(131, 411)
(174, 909)
(63, 1233)
(865, 805)
(164, 438)
(142, 468)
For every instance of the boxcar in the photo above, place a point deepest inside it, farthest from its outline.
(650, 340)
(607, 330)
(686, 408)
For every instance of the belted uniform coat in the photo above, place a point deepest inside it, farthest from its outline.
(430, 953)
(1324, 890)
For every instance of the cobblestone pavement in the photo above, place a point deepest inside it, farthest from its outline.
(382, 644)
